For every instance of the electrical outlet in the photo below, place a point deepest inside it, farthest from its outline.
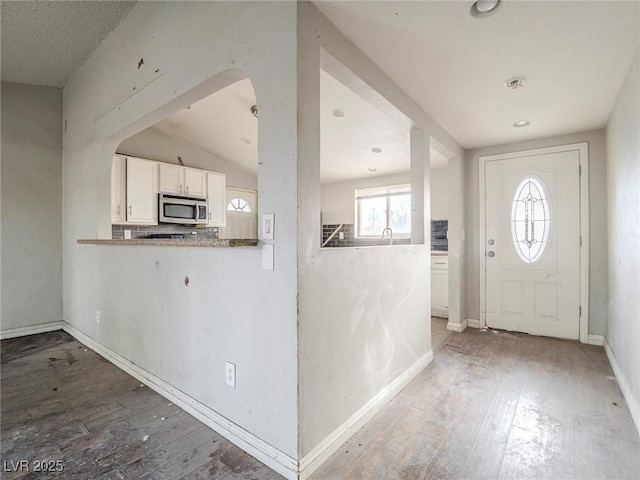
(98, 316)
(341, 235)
(230, 374)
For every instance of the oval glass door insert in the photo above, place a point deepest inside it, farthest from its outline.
(530, 220)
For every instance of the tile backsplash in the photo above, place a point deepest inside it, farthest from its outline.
(142, 231)
(350, 239)
(439, 241)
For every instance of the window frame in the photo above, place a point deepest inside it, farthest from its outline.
(387, 192)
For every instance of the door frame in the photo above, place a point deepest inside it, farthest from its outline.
(583, 151)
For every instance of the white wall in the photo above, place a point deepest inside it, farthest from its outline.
(154, 144)
(363, 312)
(232, 309)
(31, 191)
(440, 193)
(623, 227)
(338, 198)
(597, 220)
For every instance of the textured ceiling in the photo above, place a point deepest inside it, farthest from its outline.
(44, 43)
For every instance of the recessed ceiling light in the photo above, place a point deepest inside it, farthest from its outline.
(247, 141)
(514, 82)
(521, 123)
(373, 169)
(484, 8)
(376, 150)
(339, 113)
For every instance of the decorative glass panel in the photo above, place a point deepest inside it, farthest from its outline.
(238, 205)
(530, 220)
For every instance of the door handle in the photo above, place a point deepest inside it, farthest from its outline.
(491, 254)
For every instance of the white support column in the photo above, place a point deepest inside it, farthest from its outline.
(420, 188)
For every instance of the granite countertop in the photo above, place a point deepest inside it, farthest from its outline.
(176, 242)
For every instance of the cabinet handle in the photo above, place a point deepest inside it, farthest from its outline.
(440, 263)
(209, 216)
(187, 189)
(130, 210)
(118, 210)
(179, 188)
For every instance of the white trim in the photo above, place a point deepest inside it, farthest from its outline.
(30, 330)
(457, 327)
(440, 312)
(335, 440)
(595, 340)
(473, 323)
(583, 150)
(254, 446)
(632, 402)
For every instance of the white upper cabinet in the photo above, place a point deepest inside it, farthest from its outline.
(142, 191)
(118, 190)
(216, 198)
(182, 180)
(171, 178)
(195, 182)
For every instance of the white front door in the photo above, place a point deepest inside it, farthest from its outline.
(532, 243)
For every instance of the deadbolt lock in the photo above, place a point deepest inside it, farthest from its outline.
(491, 242)
(491, 254)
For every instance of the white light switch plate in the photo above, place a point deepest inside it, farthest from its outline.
(267, 257)
(268, 226)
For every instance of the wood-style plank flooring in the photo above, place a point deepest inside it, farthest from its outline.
(62, 402)
(492, 405)
(497, 405)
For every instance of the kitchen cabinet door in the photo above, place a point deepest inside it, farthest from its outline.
(216, 199)
(142, 191)
(118, 190)
(171, 179)
(195, 182)
(440, 286)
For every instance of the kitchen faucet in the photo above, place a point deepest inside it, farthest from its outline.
(390, 235)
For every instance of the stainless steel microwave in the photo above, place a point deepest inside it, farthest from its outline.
(182, 209)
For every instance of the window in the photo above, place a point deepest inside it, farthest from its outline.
(238, 205)
(530, 220)
(383, 207)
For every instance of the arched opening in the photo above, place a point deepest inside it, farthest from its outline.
(197, 152)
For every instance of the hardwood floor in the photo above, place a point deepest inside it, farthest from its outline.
(492, 405)
(496, 405)
(64, 403)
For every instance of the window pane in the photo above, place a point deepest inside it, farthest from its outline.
(530, 220)
(400, 214)
(372, 216)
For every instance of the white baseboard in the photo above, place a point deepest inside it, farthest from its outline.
(335, 440)
(439, 312)
(632, 402)
(30, 330)
(595, 340)
(473, 323)
(457, 327)
(254, 446)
